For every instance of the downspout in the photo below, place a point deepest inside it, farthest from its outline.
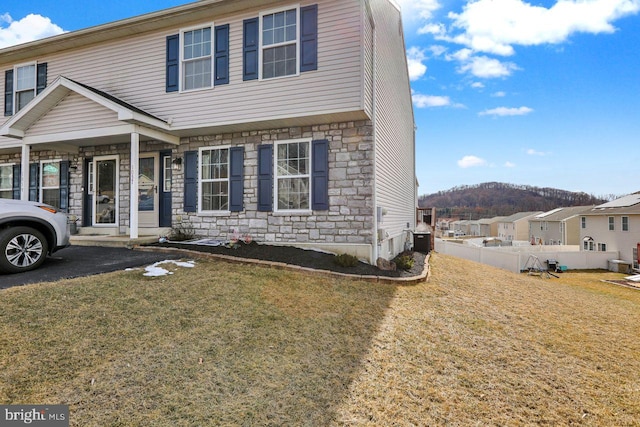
(376, 244)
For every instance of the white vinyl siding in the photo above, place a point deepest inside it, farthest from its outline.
(75, 113)
(334, 88)
(394, 127)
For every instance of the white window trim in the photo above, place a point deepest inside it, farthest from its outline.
(15, 82)
(181, 56)
(611, 223)
(297, 42)
(41, 178)
(276, 176)
(228, 179)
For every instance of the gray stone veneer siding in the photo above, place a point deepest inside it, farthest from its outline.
(350, 215)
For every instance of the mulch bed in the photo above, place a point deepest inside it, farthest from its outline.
(299, 257)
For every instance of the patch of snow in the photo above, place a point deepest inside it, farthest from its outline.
(154, 270)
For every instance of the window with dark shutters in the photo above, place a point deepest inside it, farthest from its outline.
(221, 39)
(173, 63)
(250, 49)
(190, 181)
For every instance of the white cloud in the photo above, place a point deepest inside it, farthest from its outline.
(413, 10)
(487, 68)
(415, 58)
(477, 85)
(471, 161)
(509, 165)
(533, 152)
(423, 101)
(499, 94)
(31, 27)
(506, 111)
(494, 26)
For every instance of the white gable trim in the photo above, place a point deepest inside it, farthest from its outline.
(133, 121)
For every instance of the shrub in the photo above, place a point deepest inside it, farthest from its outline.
(182, 231)
(346, 260)
(404, 261)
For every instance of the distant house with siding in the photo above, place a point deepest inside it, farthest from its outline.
(289, 121)
(613, 226)
(516, 226)
(489, 226)
(559, 226)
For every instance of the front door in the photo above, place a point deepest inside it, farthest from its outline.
(104, 178)
(148, 191)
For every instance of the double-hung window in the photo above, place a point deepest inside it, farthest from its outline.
(6, 181)
(293, 175)
(625, 223)
(25, 85)
(214, 179)
(279, 38)
(197, 62)
(612, 223)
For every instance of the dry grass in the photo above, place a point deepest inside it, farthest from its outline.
(226, 344)
(481, 346)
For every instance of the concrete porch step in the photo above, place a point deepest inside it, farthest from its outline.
(110, 241)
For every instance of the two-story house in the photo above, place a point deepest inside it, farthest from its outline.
(288, 121)
(559, 226)
(489, 226)
(516, 226)
(613, 226)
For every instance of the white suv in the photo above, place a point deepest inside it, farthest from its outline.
(29, 231)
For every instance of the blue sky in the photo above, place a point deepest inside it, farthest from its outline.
(544, 94)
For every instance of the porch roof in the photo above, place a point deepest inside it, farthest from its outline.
(132, 118)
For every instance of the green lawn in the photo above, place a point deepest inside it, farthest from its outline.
(228, 344)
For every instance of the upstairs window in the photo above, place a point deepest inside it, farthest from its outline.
(25, 85)
(279, 44)
(612, 223)
(625, 223)
(196, 59)
(583, 222)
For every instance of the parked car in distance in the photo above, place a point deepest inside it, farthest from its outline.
(29, 231)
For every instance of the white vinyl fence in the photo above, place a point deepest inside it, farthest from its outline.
(515, 258)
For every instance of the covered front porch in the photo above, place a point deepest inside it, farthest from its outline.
(110, 162)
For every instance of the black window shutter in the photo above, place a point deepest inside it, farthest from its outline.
(222, 54)
(236, 179)
(16, 182)
(41, 77)
(34, 179)
(64, 186)
(250, 49)
(190, 181)
(173, 66)
(309, 38)
(320, 175)
(265, 178)
(8, 93)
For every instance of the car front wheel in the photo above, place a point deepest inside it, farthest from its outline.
(21, 249)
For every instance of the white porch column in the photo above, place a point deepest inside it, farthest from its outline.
(24, 172)
(133, 185)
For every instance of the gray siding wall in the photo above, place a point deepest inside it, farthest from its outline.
(394, 131)
(134, 70)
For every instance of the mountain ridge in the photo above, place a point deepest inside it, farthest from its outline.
(491, 199)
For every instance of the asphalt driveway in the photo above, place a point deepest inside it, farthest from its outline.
(78, 261)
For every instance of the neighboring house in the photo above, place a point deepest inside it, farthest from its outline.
(489, 226)
(288, 121)
(559, 226)
(613, 226)
(516, 226)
